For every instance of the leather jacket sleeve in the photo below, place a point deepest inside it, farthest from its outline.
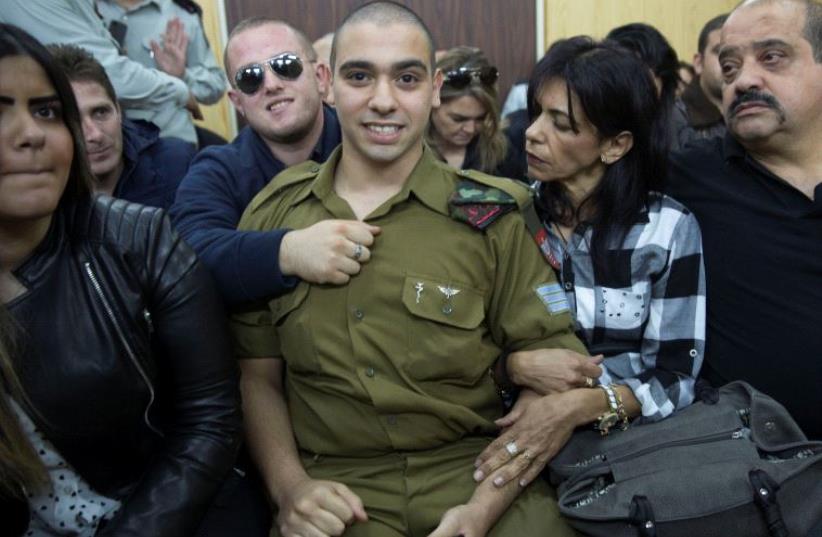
(195, 366)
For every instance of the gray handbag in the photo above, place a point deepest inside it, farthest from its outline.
(732, 464)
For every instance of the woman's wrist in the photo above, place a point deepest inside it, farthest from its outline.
(516, 364)
(586, 405)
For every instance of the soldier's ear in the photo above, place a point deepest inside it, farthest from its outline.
(322, 72)
(437, 80)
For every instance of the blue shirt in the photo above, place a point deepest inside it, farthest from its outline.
(152, 166)
(221, 182)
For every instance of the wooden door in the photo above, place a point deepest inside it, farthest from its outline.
(504, 29)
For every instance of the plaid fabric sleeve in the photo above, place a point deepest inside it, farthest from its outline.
(662, 375)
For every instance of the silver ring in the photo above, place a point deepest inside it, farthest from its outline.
(589, 382)
(511, 448)
(357, 251)
(526, 455)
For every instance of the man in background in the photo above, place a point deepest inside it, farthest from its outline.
(168, 35)
(128, 158)
(701, 102)
(154, 95)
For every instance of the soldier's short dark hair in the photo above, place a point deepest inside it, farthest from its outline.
(383, 13)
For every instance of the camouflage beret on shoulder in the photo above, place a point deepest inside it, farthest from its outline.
(479, 205)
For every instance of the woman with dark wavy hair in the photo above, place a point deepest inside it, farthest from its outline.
(127, 392)
(628, 259)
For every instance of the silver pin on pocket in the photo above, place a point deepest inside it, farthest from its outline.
(449, 292)
(419, 287)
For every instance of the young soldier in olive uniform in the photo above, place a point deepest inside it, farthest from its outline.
(387, 389)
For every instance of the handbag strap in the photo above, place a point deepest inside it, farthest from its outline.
(642, 516)
(765, 499)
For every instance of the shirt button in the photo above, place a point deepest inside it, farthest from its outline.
(693, 353)
(369, 372)
(447, 309)
(392, 420)
(358, 314)
(569, 286)
(315, 169)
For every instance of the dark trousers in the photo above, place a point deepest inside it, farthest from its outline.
(241, 508)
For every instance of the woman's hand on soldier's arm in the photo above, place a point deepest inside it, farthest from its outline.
(547, 371)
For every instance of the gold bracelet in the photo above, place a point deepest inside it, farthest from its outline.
(620, 408)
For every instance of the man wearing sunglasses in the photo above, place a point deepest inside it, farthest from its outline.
(367, 404)
(277, 87)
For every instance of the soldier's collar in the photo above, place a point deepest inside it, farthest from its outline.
(428, 185)
(424, 182)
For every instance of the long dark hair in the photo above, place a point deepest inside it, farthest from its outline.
(17, 42)
(653, 49)
(616, 93)
(20, 467)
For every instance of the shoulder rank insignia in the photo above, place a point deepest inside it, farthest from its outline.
(479, 205)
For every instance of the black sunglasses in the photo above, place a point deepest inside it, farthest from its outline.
(249, 78)
(463, 76)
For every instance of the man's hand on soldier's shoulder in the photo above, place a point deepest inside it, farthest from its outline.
(315, 507)
(330, 251)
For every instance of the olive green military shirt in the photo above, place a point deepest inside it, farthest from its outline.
(398, 358)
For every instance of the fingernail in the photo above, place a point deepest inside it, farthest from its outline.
(523, 483)
(498, 481)
(478, 475)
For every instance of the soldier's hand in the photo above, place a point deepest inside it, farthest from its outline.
(462, 521)
(532, 435)
(319, 509)
(330, 251)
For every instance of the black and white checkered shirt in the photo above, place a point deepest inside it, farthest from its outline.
(645, 308)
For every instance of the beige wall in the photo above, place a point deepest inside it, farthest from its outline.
(679, 20)
(217, 117)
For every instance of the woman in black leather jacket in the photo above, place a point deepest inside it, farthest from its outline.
(131, 391)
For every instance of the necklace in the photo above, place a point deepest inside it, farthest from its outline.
(561, 235)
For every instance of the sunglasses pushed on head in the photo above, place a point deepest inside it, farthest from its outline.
(463, 76)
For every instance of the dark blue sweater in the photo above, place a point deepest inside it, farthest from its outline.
(221, 182)
(153, 167)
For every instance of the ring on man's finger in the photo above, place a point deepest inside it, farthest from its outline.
(511, 448)
(357, 251)
(527, 456)
(589, 382)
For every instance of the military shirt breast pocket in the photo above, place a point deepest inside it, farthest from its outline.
(444, 328)
(292, 323)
